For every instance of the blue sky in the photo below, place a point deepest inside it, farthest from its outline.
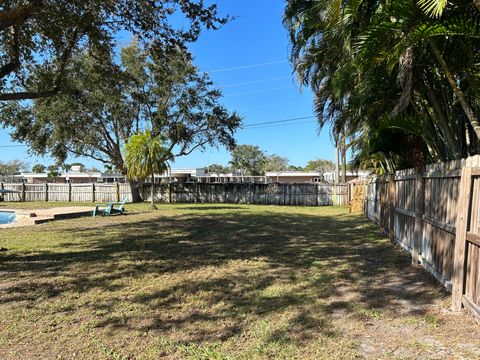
(259, 93)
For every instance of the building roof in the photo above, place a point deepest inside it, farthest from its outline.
(191, 172)
(70, 175)
(292, 173)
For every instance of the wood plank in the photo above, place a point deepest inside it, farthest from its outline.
(439, 224)
(442, 174)
(474, 273)
(418, 227)
(460, 238)
(405, 212)
(473, 238)
(470, 306)
(391, 203)
(405, 177)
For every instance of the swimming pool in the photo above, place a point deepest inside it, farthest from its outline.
(7, 217)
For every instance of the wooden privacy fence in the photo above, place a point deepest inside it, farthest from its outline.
(267, 194)
(270, 194)
(67, 192)
(434, 215)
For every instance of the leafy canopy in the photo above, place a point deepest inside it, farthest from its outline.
(39, 38)
(156, 87)
(248, 160)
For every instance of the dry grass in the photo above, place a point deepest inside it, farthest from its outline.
(220, 282)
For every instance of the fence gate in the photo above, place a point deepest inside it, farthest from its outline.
(466, 272)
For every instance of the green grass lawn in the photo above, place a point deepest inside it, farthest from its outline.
(220, 282)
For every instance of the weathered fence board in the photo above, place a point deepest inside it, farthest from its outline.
(244, 193)
(241, 193)
(437, 219)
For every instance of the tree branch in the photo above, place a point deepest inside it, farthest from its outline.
(185, 152)
(15, 16)
(63, 59)
(28, 95)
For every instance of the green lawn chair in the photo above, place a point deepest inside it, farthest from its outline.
(112, 208)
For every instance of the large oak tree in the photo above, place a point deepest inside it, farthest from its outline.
(39, 37)
(105, 103)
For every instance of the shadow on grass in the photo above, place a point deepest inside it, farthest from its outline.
(281, 262)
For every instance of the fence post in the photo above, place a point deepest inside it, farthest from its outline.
(375, 200)
(334, 196)
(381, 210)
(463, 208)
(418, 229)
(391, 200)
(349, 193)
(24, 189)
(93, 192)
(117, 192)
(69, 192)
(46, 191)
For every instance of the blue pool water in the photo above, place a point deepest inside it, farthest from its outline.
(6, 217)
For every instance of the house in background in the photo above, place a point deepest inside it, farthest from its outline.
(291, 177)
(179, 176)
(74, 176)
(188, 176)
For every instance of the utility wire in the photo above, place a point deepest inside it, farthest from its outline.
(278, 125)
(259, 125)
(242, 67)
(280, 121)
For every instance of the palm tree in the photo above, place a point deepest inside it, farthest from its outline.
(146, 156)
(379, 69)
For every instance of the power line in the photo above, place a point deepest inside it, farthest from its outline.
(247, 66)
(280, 121)
(278, 125)
(11, 146)
(256, 81)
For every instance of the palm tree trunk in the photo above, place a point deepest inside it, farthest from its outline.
(344, 160)
(337, 171)
(456, 89)
(152, 191)
(442, 121)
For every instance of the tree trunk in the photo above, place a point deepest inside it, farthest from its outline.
(442, 122)
(456, 89)
(344, 160)
(152, 191)
(135, 190)
(337, 172)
